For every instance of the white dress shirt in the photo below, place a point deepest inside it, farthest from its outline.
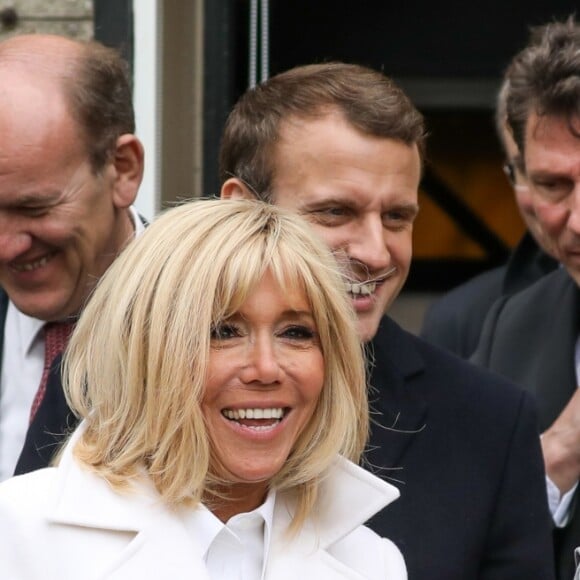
(238, 549)
(22, 366)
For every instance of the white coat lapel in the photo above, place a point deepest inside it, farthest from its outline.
(133, 536)
(348, 497)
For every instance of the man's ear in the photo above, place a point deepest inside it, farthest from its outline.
(128, 164)
(235, 188)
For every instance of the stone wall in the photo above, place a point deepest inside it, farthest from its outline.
(72, 18)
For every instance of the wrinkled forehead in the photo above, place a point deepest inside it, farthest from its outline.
(553, 131)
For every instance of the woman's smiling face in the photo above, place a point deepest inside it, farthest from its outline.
(265, 376)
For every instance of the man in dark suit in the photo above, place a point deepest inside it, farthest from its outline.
(532, 337)
(341, 145)
(70, 168)
(454, 322)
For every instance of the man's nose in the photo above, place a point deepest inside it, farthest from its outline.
(262, 364)
(369, 245)
(13, 240)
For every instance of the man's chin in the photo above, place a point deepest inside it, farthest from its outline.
(367, 327)
(42, 310)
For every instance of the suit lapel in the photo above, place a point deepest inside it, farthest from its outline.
(550, 374)
(527, 264)
(397, 412)
(3, 310)
(52, 423)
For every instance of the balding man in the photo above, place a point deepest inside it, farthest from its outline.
(70, 168)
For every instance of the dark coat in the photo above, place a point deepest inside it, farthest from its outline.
(531, 338)
(454, 322)
(462, 446)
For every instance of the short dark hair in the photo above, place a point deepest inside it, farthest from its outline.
(544, 78)
(368, 99)
(99, 92)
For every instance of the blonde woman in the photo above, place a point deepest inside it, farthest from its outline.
(221, 388)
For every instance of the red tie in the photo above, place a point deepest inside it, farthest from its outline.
(56, 335)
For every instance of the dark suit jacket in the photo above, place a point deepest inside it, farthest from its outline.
(454, 322)
(530, 338)
(462, 446)
(52, 423)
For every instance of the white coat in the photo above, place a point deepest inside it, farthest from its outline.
(66, 523)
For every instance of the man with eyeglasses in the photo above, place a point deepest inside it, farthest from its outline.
(455, 321)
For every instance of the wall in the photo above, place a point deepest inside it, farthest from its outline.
(72, 18)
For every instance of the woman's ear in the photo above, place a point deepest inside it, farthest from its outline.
(235, 188)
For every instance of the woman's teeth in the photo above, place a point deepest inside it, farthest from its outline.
(237, 414)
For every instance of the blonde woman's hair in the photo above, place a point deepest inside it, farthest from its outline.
(136, 366)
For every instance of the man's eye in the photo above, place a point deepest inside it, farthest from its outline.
(334, 211)
(224, 331)
(552, 187)
(33, 211)
(547, 184)
(395, 216)
(398, 219)
(332, 215)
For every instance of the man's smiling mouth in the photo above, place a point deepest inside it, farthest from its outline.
(33, 264)
(367, 287)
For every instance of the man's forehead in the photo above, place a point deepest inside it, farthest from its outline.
(547, 127)
(295, 123)
(326, 130)
(40, 52)
(552, 147)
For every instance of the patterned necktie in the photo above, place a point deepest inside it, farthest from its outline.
(56, 335)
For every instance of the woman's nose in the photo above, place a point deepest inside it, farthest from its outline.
(262, 364)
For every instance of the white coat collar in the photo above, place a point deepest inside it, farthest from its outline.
(162, 547)
(348, 497)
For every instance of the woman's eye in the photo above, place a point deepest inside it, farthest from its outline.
(298, 332)
(224, 331)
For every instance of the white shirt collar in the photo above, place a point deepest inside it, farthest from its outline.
(29, 328)
(137, 222)
(205, 527)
